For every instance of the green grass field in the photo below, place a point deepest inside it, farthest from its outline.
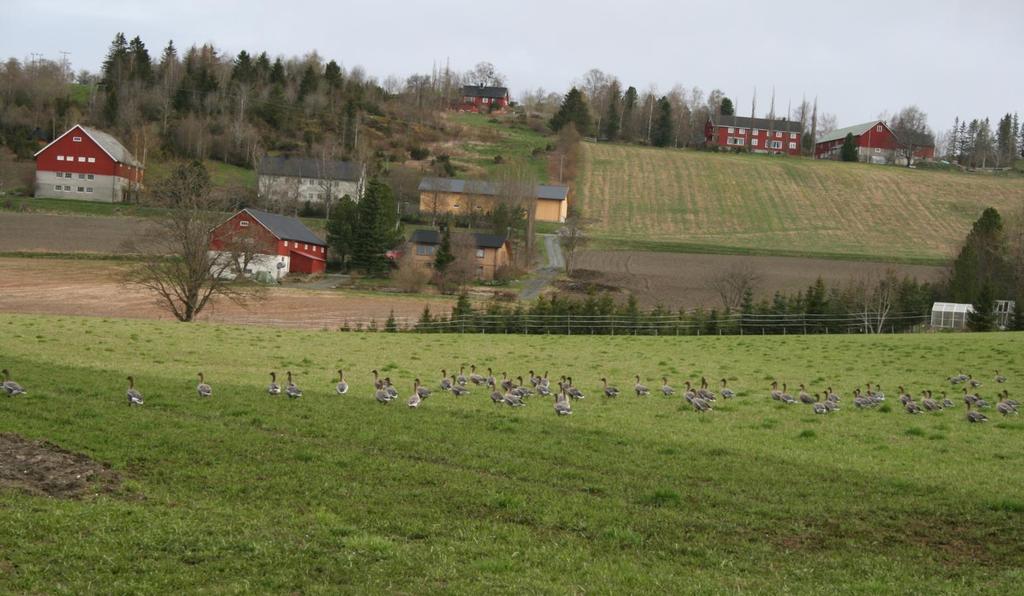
(247, 493)
(689, 201)
(510, 142)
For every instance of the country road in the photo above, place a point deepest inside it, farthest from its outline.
(544, 275)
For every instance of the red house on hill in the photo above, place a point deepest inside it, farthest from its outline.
(876, 143)
(477, 98)
(276, 244)
(759, 135)
(89, 165)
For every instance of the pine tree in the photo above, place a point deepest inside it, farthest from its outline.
(341, 229)
(391, 325)
(849, 150)
(444, 257)
(983, 317)
(628, 108)
(982, 260)
(243, 71)
(140, 64)
(277, 76)
(726, 107)
(664, 126)
(115, 66)
(612, 120)
(573, 109)
(309, 83)
(371, 236)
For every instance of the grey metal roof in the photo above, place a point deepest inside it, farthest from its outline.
(840, 133)
(763, 123)
(551, 192)
(481, 91)
(285, 228)
(308, 167)
(434, 237)
(112, 146)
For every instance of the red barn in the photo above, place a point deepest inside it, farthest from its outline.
(759, 135)
(876, 143)
(281, 244)
(89, 165)
(477, 98)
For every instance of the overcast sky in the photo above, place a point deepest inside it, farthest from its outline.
(859, 58)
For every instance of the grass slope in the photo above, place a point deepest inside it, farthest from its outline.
(246, 493)
(510, 142)
(658, 199)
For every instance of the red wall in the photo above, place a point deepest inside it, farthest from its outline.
(67, 146)
(476, 104)
(300, 254)
(719, 135)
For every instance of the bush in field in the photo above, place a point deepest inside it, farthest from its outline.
(410, 276)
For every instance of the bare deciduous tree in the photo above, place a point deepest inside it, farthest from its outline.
(572, 238)
(410, 276)
(734, 283)
(518, 188)
(244, 246)
(873, 298)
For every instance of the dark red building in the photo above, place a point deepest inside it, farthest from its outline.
(876, 143)
(477, 98)
(87, 164)
(285, 244)
(758, 135)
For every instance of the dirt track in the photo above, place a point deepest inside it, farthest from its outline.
(85, 287)
(679, 280)
(47, 232)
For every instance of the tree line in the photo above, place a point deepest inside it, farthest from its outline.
(974, 144)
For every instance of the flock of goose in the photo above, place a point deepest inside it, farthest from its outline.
(513, 392)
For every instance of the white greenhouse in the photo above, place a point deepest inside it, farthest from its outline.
(950, 315)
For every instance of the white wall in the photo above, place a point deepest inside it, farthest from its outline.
(268, 263)
(280, 188)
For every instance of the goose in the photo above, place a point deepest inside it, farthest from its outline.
(666, 389)
(705, 393)
(544, 381)
(928, 403)
(689, 394)
(774, 391)
(562, 407)
(974, 383)
(543, 389)
(973, 416)
(860, 401)
(381, 394)
(291, 389)
(490, 377)
(506, 383)
(273, 388)
(1006, 406)
(415, 399)
(904, 397)
(473, 377)
(700, 404)
(912, 408)
(520, 389)
(877, 394)
(969, 399)
(421, 390)
(830, 405)
(446, 383)
(819, 407)
(514, 400)
(574, 391)
(342, 386)
(805, 397)
(377, 383)
(786, 397)
(946, 402)
(496, 396)
(9, 386)
(640, 389)
(461, 379)
(203, 389)
(1000, 378)
(831, 395)
(534, 379)
(726, 392)
(609, 390)
(390, 389)
(459, 390)
(134, 397)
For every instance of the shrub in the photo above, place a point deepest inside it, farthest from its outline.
(410, 277)
(419, 153)
(499, 159)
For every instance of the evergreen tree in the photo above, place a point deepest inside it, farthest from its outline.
(612, 121)
(332, 75)
(262, 65)
(424, 324)
(574, 109)
(462, 309)
(849, 150)
(628, 109)
(277, 76)
(982, 260)
(140, 64)
(341, 229)
(115, 66)
(391, 325)
(444, 257)
(726, 107)
(309, 83)
(375, 230)
(983, 318)
(664, 125)
(243, 71)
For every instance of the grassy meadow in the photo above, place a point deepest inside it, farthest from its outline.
(248, 493)
(498, 138)
(683, 200)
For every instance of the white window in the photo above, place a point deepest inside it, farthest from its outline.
(731, 130)
(81, 189)
(67, 187)
(778, 134)
(479, 253)
(755, 131)
(243, 224)
(91, 176)
(878, 128)
(743, 131)
(792, 135)
(775, 144)
(792, 145)
(56, 187)
(81, 158)
(88, 189)
(878, 150)
(286, 244)
(753, 142)
(92, 160)
(81, 176)
(60, 158)
(76, 139)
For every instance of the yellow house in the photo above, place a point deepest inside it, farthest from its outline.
(490, 252)
(439, 196)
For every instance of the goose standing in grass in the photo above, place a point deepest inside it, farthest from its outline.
(666, 389)
(10, 387)
(1006, 406)
(421, 390)
(273, 388)
(774, 392)
(574, 391)
(689, 394)
(946, 402)
(726, 392)
(381, 394)
(490, 377)
(969, 399)
(473, 377)
(134, 397)
(974, 383)
(704, 392)
(562, 407)
(544, 389)
(461, 379)
(391, 390)
(912, 407)
(203, 389)
(805, 397)
(415, 399)
(831, 395)
(459, 390)
(973, 416)
(342, 386)
(497, 397)
(520, 389)
(786, 397)
(446, 383)
(819, 407)
(904, 397)
(513, 400)
(506, 383)
(609, 390)
(291, 389)
(1000, 378)
(700, 404)
(640, 388)
(928, 403)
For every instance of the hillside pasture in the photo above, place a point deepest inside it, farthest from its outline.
(248, 493)
(689, 201)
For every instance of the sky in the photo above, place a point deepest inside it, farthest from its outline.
(859, 58)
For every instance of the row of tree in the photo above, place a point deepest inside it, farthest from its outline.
(974, 144)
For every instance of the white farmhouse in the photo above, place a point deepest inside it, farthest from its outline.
(305, 179)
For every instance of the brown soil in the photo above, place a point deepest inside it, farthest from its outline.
(86, 287)
(678, 280)
(48, 232)
(44, 469)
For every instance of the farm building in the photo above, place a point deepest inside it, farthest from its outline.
(491, 252)
(759, 135)
(876, 143)
(478, 98)
(89, 165)
(306, 179)
(950, 315)
(268, 243)
(439, 196)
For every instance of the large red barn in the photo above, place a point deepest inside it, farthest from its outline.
(875, 141)
(758, 135)
(89, 165)
(284, 244)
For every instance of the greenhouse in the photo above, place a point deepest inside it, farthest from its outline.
(950, 315)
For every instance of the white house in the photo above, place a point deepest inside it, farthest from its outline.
(306, 179)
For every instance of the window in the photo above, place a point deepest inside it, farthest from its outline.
(775, 144)
(286, 244)
(81, 176)
(88, 189)
(792, 135)
(792, 145)
(743, 131)
(878, 150)
(67, 187)
(305, 247)
(60, 158)
(778, 134)
(424, 250)
(92, 160)
(57, 187)
(81, 158)
(243, 224)
(731, 130)
(479, 253)
(76, 139)
(753, 142)
(878, 128)
(755, 131)
(81, 189)
(91, 177)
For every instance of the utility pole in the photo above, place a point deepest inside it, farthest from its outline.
(65, 64)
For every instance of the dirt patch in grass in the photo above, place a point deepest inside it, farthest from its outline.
(44, 469)
(48, 232)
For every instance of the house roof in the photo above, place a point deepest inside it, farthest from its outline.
(284, 227)
(434, 237)
(765, 123)
(856, 130)
(551, 192)
(111, 146)
(481, 91)
(308, 167)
